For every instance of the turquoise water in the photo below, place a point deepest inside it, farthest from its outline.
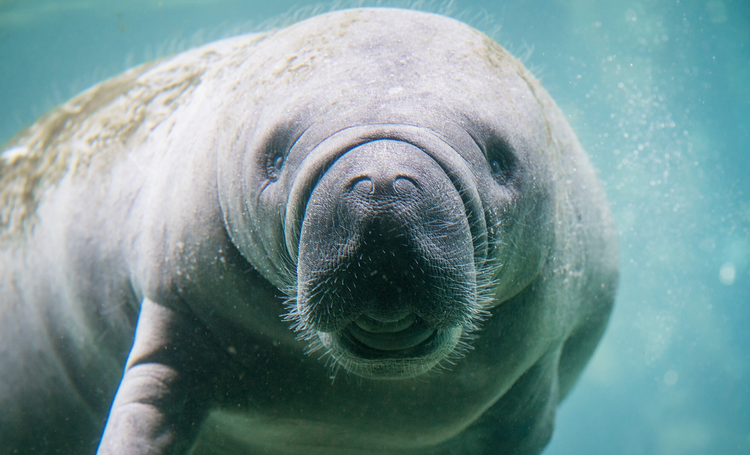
(659, 94)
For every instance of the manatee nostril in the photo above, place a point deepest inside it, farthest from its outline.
(404, 185)
(362, 185)
(383, 184)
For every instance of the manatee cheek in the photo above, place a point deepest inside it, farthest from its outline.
(386, 260)
(519, 231)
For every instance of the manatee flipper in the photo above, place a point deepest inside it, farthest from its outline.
(155, 410)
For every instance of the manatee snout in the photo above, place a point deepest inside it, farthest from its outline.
(386, 272)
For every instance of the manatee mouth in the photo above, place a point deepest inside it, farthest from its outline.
(400, 349)
(405, 334)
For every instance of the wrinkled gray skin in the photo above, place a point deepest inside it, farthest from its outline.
(392, 185)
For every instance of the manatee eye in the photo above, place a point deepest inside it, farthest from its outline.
(276, 147)
(274, 164)
(502, 160)
(495, 167)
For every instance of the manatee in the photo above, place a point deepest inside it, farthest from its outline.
(371, 232)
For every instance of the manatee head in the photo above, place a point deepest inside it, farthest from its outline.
(392, 171)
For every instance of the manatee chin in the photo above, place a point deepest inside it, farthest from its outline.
(399, 322)
(384, 312)
(384, 341)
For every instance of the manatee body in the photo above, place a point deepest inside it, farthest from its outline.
(371, 232)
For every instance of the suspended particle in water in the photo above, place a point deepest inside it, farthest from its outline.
(727, 273)
(670, 378)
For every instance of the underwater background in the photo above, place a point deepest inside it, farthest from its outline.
(659, 94)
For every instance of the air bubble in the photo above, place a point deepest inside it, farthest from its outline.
(727, 273)
(670, 377)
